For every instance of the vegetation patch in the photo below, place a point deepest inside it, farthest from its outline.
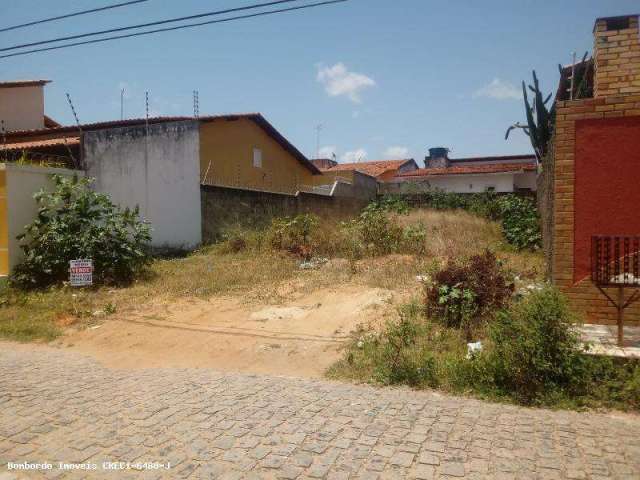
(517, 215)
(531, 355)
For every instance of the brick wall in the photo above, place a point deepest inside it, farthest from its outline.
(617, 56)
(582, 294)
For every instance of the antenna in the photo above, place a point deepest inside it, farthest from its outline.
(122, 104)
(196, 104)
(75, 115)
(73, 110)
(318, 130)
(573, 74)
(3, 131)
(146, 105)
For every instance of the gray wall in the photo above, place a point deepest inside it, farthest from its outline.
(224, 208)
(160, 172)
(364, 187)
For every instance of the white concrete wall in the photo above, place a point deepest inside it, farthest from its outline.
(22, 183)
(22, 108)
(159, 172)
(526, 180)
(500, 182)
(472, 183)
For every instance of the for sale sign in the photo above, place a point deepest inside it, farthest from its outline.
(81, 272)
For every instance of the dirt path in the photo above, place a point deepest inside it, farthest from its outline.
(298, 338)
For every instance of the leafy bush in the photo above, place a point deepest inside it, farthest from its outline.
(396, 355)
(374, 232)
(293, 234)
(520, 222)
(534, 351)
(461, 295)
(75, 222)
(414, 238)
(394, 204)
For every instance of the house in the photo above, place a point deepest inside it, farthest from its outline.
(379, 169)
(501, 174)
(595, 170)
(177, 168)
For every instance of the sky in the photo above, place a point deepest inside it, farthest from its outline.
(383, 78)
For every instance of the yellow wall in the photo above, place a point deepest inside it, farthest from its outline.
(4, 230)
(226, 158)
(328, 178)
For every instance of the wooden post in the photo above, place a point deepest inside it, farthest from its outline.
(620, 319)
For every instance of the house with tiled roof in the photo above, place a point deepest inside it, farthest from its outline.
(501, 174)
(379, 169)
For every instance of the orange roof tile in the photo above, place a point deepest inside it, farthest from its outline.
(471, 169)
(373, 168)
(54, 142)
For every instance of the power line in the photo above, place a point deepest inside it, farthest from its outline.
(150, 24)
(75, 14)
(159, 30)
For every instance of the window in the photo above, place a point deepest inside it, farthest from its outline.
(257, 158)
(491, 189)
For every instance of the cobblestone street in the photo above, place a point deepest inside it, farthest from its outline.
(56, 406)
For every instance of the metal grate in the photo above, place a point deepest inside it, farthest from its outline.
(615, 260)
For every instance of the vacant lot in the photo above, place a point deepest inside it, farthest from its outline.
(255, 308)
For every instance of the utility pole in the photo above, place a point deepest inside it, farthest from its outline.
(122, 104)
(318, 130)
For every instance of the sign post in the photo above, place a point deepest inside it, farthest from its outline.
(81, 272)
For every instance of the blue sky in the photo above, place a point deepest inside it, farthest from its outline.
(384, 78)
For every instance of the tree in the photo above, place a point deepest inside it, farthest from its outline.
(75, 222)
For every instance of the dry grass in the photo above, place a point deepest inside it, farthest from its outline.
(455, 234)
(260, 274)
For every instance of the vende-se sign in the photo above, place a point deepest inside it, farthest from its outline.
(81, 272)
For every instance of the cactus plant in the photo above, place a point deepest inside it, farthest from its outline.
(540, 119)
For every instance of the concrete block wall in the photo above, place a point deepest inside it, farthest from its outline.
(226, 207)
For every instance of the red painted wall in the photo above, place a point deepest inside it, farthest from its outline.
(607, 184)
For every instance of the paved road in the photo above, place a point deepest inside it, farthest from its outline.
(58, 406)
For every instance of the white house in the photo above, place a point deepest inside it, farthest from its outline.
(501, 174)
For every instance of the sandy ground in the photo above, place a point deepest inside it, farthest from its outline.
(297, 338)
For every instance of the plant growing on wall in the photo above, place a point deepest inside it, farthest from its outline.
(540, 119)
(75, 222)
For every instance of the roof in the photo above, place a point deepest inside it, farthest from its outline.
(257, 118)
(501, 158)
(374, 168)
(24, 83)
(470, 170)
(50, 122)
(54, 142)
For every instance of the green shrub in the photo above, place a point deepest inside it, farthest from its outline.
(520, 222)
(403, 357)
(75, 222)
(293, 234)
(394, 204)
(535, 351)
(414, 239)
(374, 232)
(463, 294)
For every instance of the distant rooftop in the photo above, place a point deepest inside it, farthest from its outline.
(24, 83)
